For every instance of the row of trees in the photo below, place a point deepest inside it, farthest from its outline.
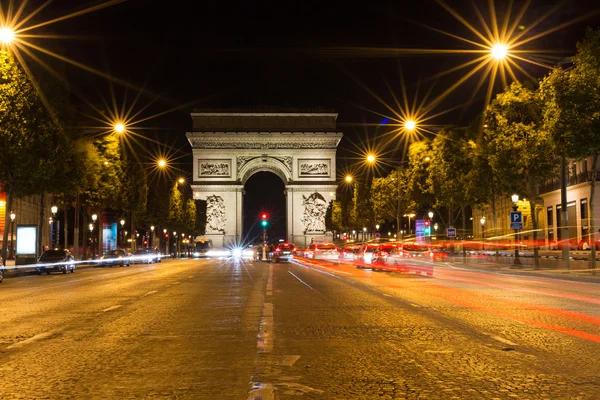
(515, 146)
(43, 152)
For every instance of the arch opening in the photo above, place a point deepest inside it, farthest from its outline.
(264, 192)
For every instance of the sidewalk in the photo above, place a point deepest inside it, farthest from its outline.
(579, 270)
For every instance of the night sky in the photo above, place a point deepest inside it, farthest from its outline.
(221, 54)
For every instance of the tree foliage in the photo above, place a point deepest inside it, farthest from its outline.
(176, 214)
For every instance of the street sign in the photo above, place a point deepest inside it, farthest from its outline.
(451, 232)
(516, 220)
(378, 235)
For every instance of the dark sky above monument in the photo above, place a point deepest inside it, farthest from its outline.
(302, 54)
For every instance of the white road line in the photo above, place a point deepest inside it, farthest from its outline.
(112, 308)
(151, 292)
(505, 341)
(306, 284)
(35, 338)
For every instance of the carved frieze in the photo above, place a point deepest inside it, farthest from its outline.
(313, 218)
(285, 160)
(215, 215)
(214, 168)
(198, 143)
(314, 168)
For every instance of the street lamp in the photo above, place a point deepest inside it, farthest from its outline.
(94, 219)
(515, 200)
(410, 124)
(7, 35)
(430, 214)
(54, 210)
(435, 227)
(377, 226)
(411, 215)
(482, 222)
(13, 216)
(175, 243)
(152, 235)
(166, 241)
(499, 51)
(364, 232)
(162, 163)
(348, 178)
(122, 222)
(119, 127)
(370, 158)
(181, 181)
(91, 227)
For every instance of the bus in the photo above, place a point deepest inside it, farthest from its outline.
(202, 246)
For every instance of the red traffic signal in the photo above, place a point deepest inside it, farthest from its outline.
(264, 216)
(427, 222)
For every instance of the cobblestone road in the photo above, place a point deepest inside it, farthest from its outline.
(209, 329)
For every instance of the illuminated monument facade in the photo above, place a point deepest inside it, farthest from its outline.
(299, 147)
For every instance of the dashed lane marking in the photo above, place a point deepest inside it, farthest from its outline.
(35, 338)
(151, 292)
(505, 341)
(112, 308)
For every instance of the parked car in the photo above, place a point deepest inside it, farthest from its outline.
(56, 261)
(283, 251)
(116, 257)
(322, 251)
(144, 256)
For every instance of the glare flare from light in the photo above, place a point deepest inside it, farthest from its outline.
(7, 35)
(499, 51)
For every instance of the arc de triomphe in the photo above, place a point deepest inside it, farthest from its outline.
(300, 148)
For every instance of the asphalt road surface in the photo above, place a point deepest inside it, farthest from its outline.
(225, 329)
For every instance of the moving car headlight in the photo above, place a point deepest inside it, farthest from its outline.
(236, 253)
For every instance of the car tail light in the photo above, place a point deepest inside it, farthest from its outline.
(384, 254)
(431, 253)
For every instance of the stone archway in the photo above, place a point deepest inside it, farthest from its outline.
(300, 148)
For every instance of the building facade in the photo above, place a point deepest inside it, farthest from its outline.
(548, 210)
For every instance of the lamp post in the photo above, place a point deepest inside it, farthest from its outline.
(122, 222)
(517, 260)
(152, 236)
(411, 215)
(91, 227)
(175, 243)
(13, 216)
(435, 228)
(95, 239)
(166, 241)
(482, 222)
(364, 232)
(54, 210)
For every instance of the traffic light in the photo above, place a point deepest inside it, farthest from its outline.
(427, 228)
(264, 220)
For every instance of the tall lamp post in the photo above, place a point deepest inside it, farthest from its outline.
(517, 260)
(54, 210)
(122, 222)
(409, 217)
(94, 251)
(152, 236)
(13, 216)
(166, 241)
(175, 243)
(482, 222)
(91, 226)
(364, 233)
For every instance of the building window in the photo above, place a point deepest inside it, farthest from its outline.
(584, 217)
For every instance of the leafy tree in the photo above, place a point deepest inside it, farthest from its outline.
(134, 191)
(33, 144)
(361, 213)
(384, 196)
(190, 217)
(520, 151)
(417, 188)
(333, 216)
(451, 172)
(175, 206)
(572, 111)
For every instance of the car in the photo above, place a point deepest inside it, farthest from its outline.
(56, 261)
(144, 256)
(409, 259)
(283, 251)
(116, 257)
(322, 251)
(380, 256)
(348, 252)
(365, 254)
